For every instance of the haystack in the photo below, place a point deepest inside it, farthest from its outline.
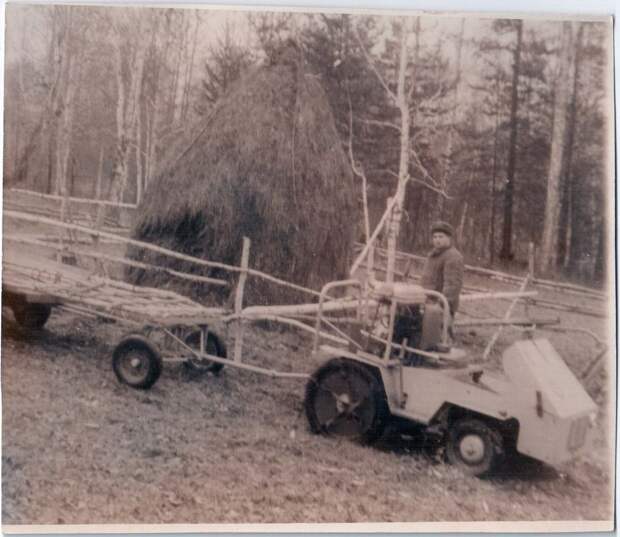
(267, 164)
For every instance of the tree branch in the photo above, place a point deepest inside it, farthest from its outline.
(372, 65)
(433, 188)
(419, 181)
(421, 166)
(382, 124)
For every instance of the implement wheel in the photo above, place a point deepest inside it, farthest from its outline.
(136, 362)
(345, 399)
(474, 446)
(31, 316)
(214, 346)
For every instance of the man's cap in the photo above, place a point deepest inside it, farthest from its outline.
(443, 227)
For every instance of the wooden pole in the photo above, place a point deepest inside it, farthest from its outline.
(240, 327)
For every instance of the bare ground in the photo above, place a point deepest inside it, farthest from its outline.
(80, 448)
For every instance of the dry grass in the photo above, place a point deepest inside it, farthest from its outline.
(267, 164)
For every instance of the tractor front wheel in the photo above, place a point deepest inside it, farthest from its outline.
(477, 448)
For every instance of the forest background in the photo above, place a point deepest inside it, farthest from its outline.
(501, 125)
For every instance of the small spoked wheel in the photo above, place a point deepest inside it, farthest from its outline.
(474, 446)
(214, 346)
(31, 316)
(136, 362)
(345, 399)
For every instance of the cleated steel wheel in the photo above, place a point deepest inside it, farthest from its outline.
(345, 399)
(474, 446)
(214, 346)
(136, 362)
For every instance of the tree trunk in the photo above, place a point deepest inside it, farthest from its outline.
(494, 172)
(177, 75)
(139, 160)
(71, 84)
(506, 251)
(152, 106)
(600, 264)
(460, 230)
(19, 104)
(447, 160)
(567, 225)
(190, 69)
(128, 100)
(549, 246)
(403, 167)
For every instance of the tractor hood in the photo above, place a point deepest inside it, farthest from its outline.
(543, 379)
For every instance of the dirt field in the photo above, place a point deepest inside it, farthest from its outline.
(80, 448)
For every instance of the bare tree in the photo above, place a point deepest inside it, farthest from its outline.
(130, 53)
(400, 95)
(549, 246)
(506, 250)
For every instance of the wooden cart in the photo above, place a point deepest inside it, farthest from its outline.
(66, 267)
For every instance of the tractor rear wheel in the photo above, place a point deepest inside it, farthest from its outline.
(345, 399)
(476, 447)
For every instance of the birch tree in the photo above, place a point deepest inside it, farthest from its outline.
(400, 93)
(130, 56)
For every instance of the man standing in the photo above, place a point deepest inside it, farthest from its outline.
(443, 270)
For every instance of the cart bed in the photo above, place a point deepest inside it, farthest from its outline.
(42, 280)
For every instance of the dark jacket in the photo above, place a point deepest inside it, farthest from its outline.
(443, 272)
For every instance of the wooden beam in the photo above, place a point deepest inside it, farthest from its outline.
(119, 260)
(374, 235)
(240, 326)
(493, 296)
(504, 276)
(87, 201)
(507, 322)
(157, 249)
(301, 309)
(569, 308)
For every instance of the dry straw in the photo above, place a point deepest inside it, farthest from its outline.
(268, 164)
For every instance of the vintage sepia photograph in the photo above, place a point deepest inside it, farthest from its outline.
(309, 267)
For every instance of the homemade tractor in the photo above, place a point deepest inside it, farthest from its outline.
(537, 407)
